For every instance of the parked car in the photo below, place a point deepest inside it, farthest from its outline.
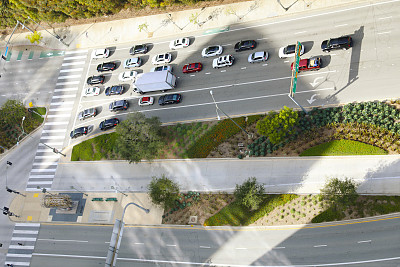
(161, 68)
(313, 63)
(223, 61)
(170, 99)
(108, 124)
(261, 56)
(96, 79)
(289, 51)
(106, 66)
(179, 43)
(127, 75)
(162, 59)
(92, 91)
(100, 53)
(212, 51)
(119, 105)
(87, 113)
(245, 45)
(138, 49)
(344, 42)
(132, 62)
(192, 67)
(114, 90)
(146, 101)
(79, 132)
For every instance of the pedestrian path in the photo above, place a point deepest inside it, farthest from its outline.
(22, 244)
(55, 129)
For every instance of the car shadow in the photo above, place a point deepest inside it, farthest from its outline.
(144, 58)
(149, 47)
(326, 60)
(112, 50)
(308, 45)
(99, 110)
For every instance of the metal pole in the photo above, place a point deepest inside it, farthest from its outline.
(79, 191)
(248, 135)
(23, 131)
(297, 103)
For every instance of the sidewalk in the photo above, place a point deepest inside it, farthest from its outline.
(90, 209)
(207, 20)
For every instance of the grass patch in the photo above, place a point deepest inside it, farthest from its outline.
(235, 214)
(343, 148)
(100, 147)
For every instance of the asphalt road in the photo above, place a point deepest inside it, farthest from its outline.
(375, 174)
(365, 72)
(372, 243)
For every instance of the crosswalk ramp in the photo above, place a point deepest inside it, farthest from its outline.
(59, 114)
(22, 244)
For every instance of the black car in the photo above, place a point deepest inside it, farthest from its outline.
(170, 99)
(138, 49)
(114, 90)
(95, 79)
(78, 132)
(119, 105)
(106, 66)
(107, 124)
(245, 45)
(344, 42)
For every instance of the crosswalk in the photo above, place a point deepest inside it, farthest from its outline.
(22, 244)
(55, 128)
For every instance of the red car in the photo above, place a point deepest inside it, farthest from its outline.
(313, 63)
(192, 67)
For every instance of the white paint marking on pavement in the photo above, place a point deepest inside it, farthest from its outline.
(66, 89)
(15, 238)
(53, 137)
(192, 75)
(21, 247)
(28, 224)
(240, 248)
(71, 70)
(286, 61)
(40, 176)
(207, 73)
(76, 57)
(262, 38)
(17, 263)
(139, 243)
(204, 247)
(19, 255)
(69, 77)
(383, 32)
(318, 246)
(170, 245)
(265, 64)
(243, 68)
(45, 163)
(63, 240)
(76, 52)
(62, 103)
(54, 131)
(29, 232)
(57, 123)
(43, 170)
(300, 32)
(54, 143)
(389, 17)
(278, 247)
(64, 83)
(59, 116)
(341, 25)
(47, 157)
(37, 190)
(73, 63)
(223, 70)
(364, 241)
(226, 44)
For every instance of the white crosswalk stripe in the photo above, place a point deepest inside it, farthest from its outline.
(54, 131)
(22, 244)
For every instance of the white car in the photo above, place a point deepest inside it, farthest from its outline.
(258, 57)
(146, 101)
(161, 68)
(92, 91)
(132, 62)
(101, 53)
(127, 75)
(212, 51)
(223, 61)
(288, 51)
(162, 59)
(179, 43)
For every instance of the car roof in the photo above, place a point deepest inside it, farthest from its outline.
(259, 54)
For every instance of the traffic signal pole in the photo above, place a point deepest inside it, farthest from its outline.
(295, 72)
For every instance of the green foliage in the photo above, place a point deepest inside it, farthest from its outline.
(249, 194)
(343, 147)
(97, 148)
(34, 37)
(164, 192)
(340, 193)
(216, 135)
(278, 126)
(139, 138)
(143, 27)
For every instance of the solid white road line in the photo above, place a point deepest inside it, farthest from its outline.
(40, 176)
(383, 32)
(21, 247)
(300, 32)
(139, 243)
(37, 190)
(45, 164)
(64, 240)
(73, 63)
(66, 89)
(69, 77)
(64, 83)
(365, 241)
(52, 137)
(64, 96)
(278, 247)
(241, 248)
(57, 123)
(71, 70)
(76, 52)
(62, 103)
(43, 170)
(40, 182)
(171, 245)
(59, 116)
(76, 57)
(15, 238)
(341, 25)
(28, 224)
(29, 232)
(204, 247)
(19, 255)
(17, 263)
(318, 246)
(54, 131)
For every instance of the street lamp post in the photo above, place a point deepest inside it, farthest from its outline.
(23, 131)
(217, 108)
(116, 237)
(118, 191)
(55, 35)
(72, 187)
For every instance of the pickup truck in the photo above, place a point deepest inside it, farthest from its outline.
(313, 63)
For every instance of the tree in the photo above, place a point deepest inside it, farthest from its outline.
(278, 126)
(34, 37)
(11, 113)
(139, 137)
(163, 191)
(250, 194)
(340, 193)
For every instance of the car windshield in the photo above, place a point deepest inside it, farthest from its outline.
(212, 49)
(139, 47)
(289, 49)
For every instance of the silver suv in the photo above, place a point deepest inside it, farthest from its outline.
(223, 61)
